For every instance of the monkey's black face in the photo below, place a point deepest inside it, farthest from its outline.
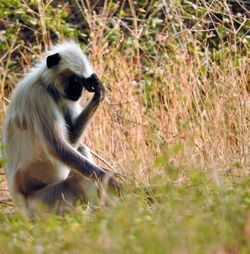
(73, 90)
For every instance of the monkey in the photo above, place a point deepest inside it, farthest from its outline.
(46, 162)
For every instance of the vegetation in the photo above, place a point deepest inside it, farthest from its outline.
(175, 122)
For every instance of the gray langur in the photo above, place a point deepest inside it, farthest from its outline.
(42, 128)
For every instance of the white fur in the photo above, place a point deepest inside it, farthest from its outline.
(31, 104)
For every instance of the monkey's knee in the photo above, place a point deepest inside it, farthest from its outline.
(59, 197)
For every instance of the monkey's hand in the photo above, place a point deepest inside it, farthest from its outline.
(93, 84)
(112, 184)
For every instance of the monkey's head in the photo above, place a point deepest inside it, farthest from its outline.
(69, 72)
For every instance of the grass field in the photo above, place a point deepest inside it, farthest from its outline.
(175, 121)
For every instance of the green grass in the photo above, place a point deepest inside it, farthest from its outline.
(195, 216)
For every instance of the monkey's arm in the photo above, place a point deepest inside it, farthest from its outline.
(81, 122)
(64, 152)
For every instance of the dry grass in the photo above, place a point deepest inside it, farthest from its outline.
(201, 105)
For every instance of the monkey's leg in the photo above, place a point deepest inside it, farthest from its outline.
(90, 188)
(59, 196)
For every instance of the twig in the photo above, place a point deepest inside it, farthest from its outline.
(6, 202)
(103, 160)
(67, 202)
(114, 171)
(7, 100)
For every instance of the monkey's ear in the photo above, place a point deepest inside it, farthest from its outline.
(53, 60)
